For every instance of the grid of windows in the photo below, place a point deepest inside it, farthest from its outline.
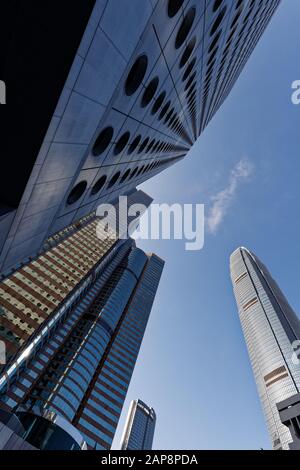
(83, 371)
(270, 326)
(31, 294)
(139, 428)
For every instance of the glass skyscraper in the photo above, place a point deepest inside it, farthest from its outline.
(139, 428)
(270, 327)
(70, 362)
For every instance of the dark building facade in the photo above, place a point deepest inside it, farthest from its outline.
(73, 321)
(289, 412)
(82, 370)
(115, 101)
(139, 427)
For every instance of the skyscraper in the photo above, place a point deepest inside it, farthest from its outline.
(115, 101)
(289, 412)
(270, 327)
(139, 427)
(40, 289)
(70, 360)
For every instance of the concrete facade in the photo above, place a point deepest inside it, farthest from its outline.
(145, 80)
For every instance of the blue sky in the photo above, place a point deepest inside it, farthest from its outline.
(193, 366)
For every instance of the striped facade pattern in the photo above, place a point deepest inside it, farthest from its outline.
(31, 294)
(105, 400)
(79, 373)
(16, 391)
(270, 326)
(235, 31)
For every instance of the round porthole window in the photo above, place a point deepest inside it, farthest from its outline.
(134, 144)
(125, 176)
(134, 172)
(217, 5)
(136, 75)
(149, 92)
(174, 7)
(185, 27)
(114, 179)
(189, 69)
(103, 141)
(144, 145)
(76, 192)
(214, 41)
(98, 185)
(218, 21)
(159, 101)
(122, 142)
(187, 53)
(164, 110)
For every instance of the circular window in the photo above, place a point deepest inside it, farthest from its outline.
(103, 141)
(122, 142)
(134, 172)
(235, 20)
(76, 192)
(149, 92)
(164, 110)
(136, 75)
(150, 146)
(158, 102)
(125, 176)
(191, 92)
(98, 185)
(210, 67)
(187, 53)
(156, 146)
(190, 81)
(134, 144)
(214, 41)
(169, 115)
(212, 55)
(217, 5)
(189, 69)
(218, 21)
(143, 145)
(172, 120)
(114, 179)
(185, 27)
(174, 7)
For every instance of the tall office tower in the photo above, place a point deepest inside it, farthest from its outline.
(73, 320)
(115, 101)
(270, 327)
(73, 388)
(139, 427)
(39, 291)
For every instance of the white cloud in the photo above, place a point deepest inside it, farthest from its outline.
(222, 201)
